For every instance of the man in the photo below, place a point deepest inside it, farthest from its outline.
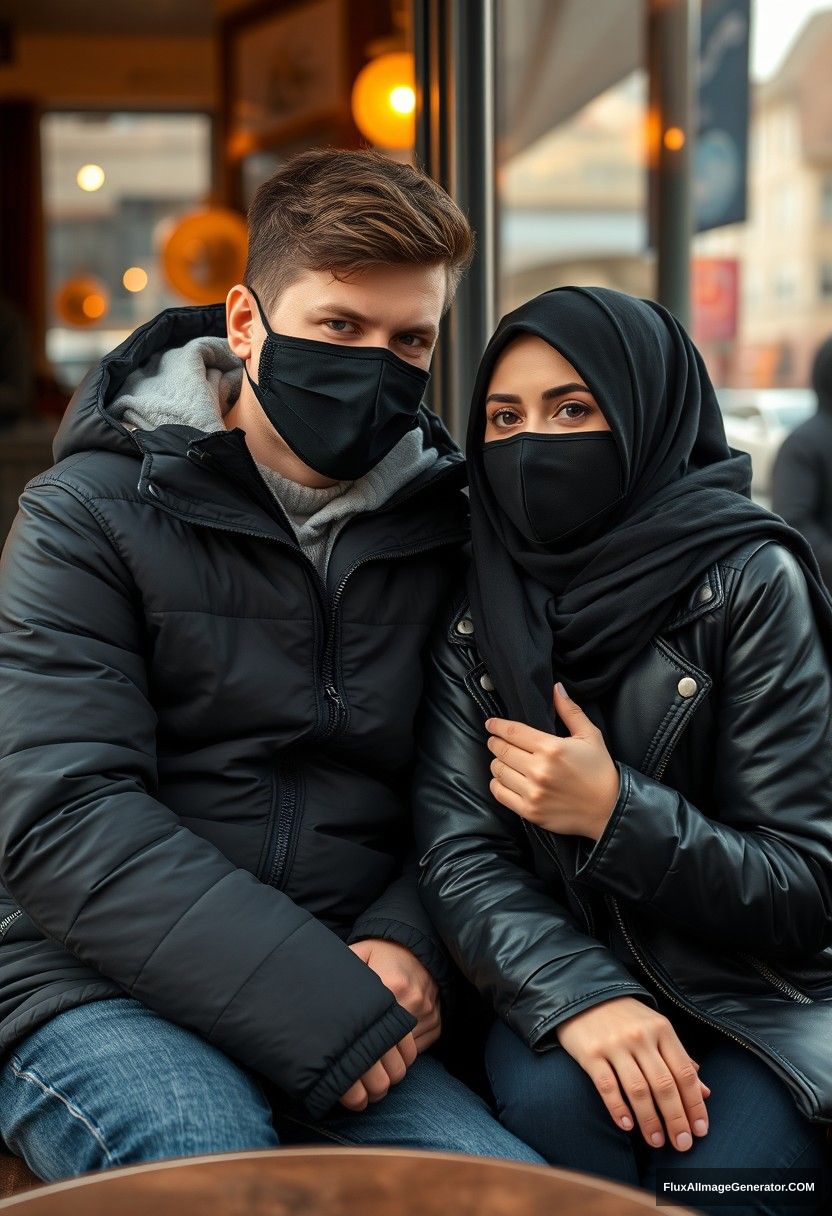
(212, 612)
(802, 475)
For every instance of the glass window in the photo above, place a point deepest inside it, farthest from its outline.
(571, 178)
(111, 183)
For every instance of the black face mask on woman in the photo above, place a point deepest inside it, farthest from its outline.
(553, 487)
(341, 409)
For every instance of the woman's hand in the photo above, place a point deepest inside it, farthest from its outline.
(623, 1044)
(567, 785)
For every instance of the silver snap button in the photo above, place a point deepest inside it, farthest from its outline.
(705, 594)
(687, 687)
(466, 626)
(486, 682)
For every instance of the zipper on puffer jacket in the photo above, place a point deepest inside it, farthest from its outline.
(284, 824)
(7, 922)
(337, 704)
(329, 676)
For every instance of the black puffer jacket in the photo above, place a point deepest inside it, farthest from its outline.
(712, 882)
(204, 752)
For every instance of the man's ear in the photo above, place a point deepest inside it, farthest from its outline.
(240, 321)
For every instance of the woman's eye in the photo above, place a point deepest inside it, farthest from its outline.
(574, 411)
(504, 418)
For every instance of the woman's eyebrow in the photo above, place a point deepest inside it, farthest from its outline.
(560, 389)
(557, 391)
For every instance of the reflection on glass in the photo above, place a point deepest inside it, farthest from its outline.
(111, 183)
(571, 159)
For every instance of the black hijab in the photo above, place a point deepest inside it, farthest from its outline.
(582, 614)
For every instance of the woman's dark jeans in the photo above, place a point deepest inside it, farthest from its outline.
(549, 1101)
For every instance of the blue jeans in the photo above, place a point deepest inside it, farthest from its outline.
(550, 1102)
(112, 1083)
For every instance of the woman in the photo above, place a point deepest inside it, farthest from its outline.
(624, 792)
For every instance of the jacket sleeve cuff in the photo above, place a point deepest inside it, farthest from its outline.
(619, 862)
(563, 986)
(367, 1050)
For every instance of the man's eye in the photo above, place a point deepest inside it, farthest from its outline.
(413, 341)
(339, 327)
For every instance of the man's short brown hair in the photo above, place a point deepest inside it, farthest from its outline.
(344, 211)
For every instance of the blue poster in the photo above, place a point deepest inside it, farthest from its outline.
(720, 163)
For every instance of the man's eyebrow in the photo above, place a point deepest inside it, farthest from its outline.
(343, 312)
(557, 391)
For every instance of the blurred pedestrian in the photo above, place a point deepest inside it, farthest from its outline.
(802, 476)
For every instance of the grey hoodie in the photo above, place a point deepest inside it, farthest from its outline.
(196, 385)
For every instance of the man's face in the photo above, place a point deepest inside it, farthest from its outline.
(398, 307)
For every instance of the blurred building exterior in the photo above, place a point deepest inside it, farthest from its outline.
(784, 250)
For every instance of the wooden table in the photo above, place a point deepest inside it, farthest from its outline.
(336, 1182)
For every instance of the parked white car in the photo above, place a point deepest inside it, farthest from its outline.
(757, 420)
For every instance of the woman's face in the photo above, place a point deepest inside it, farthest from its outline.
(534, 388)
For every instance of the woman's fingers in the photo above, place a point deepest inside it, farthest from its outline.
(528, 738)
(606, 1082)
(691, 1089)
(511, 778)
(639, 1094)
(676, 1090)
(515, 757)
(508, 798)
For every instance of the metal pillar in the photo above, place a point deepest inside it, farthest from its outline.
(455, 135)
(672, 49)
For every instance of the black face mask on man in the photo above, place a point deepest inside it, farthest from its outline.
(553, 487)
(341, 409)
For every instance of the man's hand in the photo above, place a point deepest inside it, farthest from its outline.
(415, 990)
(411, 983)
(633, 1054)
(564, 785)
(376, 1081)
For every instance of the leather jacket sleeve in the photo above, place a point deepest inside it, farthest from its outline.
(107, 870)
(754, 869)
(508, 934)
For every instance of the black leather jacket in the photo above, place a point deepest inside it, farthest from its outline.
(712, 881)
